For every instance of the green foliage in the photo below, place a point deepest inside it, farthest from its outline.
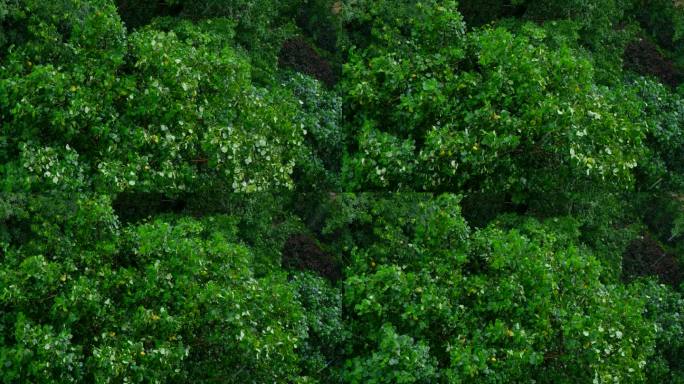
(662, 19)
(261, 26)
(409, 24)
(325, 137)
(599, 21)
(602, 27)
(661, 182)
(477, 113)
(42, 354)
(176, 302)
(508, 307)
(262, 220)
(320, 19)
(182, 103)
(664, 307)
(327, 334)
(663, 116)
(160, 181)
(397, 359)
(252, 16)
(481, 12)
(408, 229)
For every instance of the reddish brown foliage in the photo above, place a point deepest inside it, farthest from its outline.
(645, 257)
(303, 253)
(642, 56)
(298, 55)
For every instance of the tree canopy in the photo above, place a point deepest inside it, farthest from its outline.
(341, 191)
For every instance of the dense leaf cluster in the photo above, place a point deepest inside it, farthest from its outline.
(341, 191)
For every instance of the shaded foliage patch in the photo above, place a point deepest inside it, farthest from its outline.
(645, 257)
(642, 56)
(298, 55)
(302, 253)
